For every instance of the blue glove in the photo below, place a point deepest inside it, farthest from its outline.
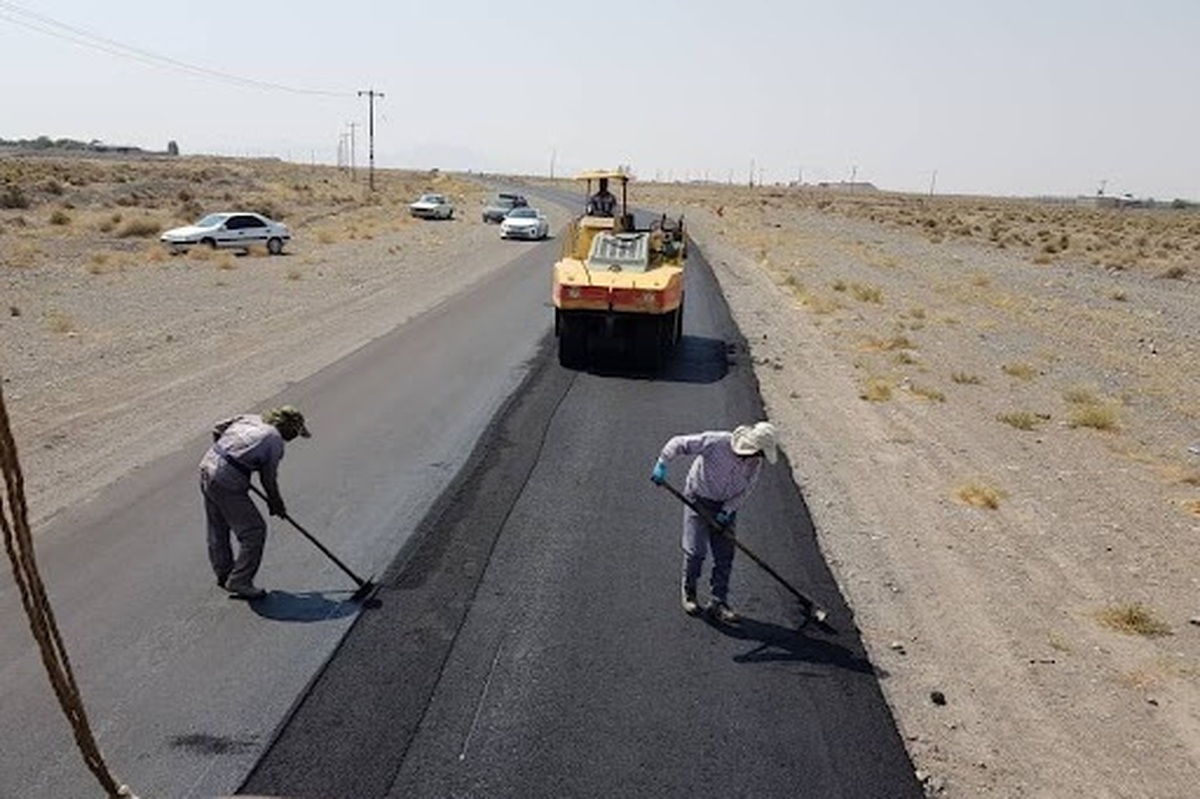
(726, 518)
(659, 475)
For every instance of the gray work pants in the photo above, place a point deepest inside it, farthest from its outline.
(698, 539)
(233, 512)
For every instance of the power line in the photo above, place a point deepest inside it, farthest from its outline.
(371, 94)
(43, 24)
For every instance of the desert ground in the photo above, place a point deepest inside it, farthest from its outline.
(987, 403)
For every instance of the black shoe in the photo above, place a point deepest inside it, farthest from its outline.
(723, 613)
(248, 592)
(221, 578)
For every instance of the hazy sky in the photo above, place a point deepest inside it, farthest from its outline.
(1007, 97)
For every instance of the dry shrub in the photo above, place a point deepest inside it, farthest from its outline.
(1022, 420)
(864, 292)
(98, 263)
(980, 495)
(13, 196)
(140, 227)
(927, 392)
(1021, 371)
(873, 344)
(60, 217)
(1081, 395)
(966, 378)
(1133, 619)
(59, 322)
(878, 389)
(1095, 416)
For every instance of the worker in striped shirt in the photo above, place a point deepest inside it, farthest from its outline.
(726, 467)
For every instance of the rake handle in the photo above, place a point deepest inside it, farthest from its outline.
(358, 580)
(810, 607)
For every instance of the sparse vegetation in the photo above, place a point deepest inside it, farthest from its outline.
(927, 392)
(141, 227)
(1133, 619)
(980, 495)
(878, 389)
(866, 293)
(1022, 420)
(1093, 415)
(966, 378)
(59, 322)
(1021, 371)
(1080, 395)
(13, 196)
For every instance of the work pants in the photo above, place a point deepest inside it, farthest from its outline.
(231, 511)
(698, 539)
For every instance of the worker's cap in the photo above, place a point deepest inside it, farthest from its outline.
(756, 438)
(286, 416)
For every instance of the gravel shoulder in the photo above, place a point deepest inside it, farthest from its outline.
(1014, 613)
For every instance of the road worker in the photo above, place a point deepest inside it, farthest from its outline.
(603, 202)
(241, 446)
(727, 464)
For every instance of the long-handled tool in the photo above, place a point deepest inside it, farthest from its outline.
(366, 588)
(811, 611)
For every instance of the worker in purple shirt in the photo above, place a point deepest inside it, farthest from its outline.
(726, 467)
(241, 446)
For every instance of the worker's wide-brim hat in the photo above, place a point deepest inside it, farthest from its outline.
(756, 438)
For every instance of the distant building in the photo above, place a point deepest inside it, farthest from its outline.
(850, 186)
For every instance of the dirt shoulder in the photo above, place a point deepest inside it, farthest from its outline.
(115, 353)
(995, 455)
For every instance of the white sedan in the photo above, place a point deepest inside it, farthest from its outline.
(525, 223)
(237, 230)
(432, 206)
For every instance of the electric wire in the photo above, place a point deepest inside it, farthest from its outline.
(15, 14)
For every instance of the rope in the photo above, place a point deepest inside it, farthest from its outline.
(18, 543)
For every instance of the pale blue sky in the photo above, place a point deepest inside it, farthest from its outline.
(1006, 97)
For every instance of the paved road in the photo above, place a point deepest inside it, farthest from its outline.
(530, 641)
(185, 687)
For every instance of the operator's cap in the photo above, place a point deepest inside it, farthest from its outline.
(287, 416)
(756, 438)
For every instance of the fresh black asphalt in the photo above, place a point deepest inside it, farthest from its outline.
(529, 640)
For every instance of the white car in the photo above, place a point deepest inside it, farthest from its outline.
(237, 230)
(525, 223)
(432, 206)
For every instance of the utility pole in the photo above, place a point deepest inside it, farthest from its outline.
(933, 183)
(352, 126)
(371, 95)
(553, 155)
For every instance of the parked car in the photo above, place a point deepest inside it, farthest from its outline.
(499, 206)
(237, 230)
(432, 206)
(525, 223)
